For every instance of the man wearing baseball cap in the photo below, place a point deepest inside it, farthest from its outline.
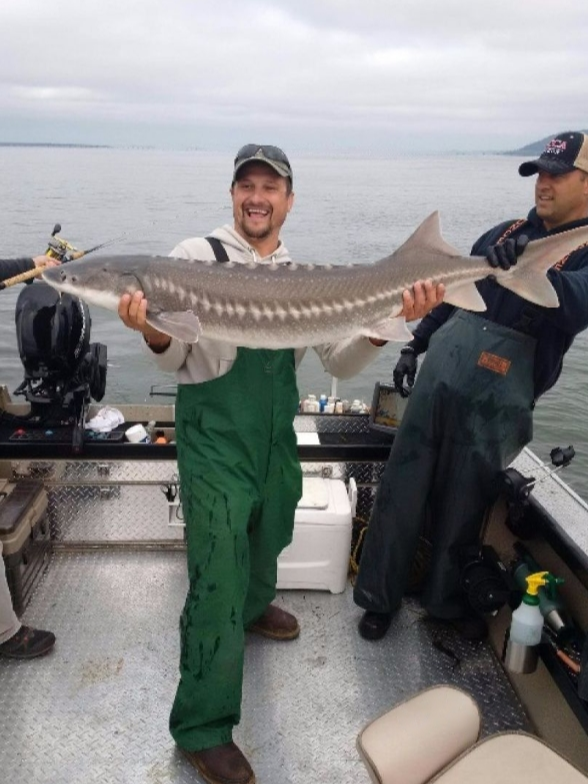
(562, 155)
(470, 412)
(561, 170)
(239, 470)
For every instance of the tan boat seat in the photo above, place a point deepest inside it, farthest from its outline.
(433, 736)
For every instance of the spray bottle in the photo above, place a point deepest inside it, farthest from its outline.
(521, 653)
(551, 606)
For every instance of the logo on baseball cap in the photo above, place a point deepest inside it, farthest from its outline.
(563, 154)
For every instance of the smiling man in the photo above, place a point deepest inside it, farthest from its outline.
(471, 410)
(562, 180)
(239, 470)
(262, 198)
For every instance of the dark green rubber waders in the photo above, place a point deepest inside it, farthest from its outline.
(469, 415)
(240, 483)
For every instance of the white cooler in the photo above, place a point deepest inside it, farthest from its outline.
(318, 557)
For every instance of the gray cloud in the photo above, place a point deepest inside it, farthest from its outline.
(429, 75)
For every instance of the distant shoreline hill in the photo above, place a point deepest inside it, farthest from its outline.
(535, 148)
(51, 144)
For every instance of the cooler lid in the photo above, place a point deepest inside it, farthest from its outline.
(308, 439)
(315, 493)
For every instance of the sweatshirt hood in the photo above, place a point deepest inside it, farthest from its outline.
(230, 238)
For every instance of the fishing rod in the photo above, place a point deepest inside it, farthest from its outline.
(57, 248)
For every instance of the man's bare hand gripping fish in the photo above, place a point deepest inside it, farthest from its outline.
(297, 305)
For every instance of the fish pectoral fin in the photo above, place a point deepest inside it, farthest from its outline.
(393, 328)
(535, 288)
(464, 295)
(183, 325)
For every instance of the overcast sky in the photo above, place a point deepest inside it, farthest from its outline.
(369, 76)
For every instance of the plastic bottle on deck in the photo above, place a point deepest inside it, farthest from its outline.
(313, 405)
(526, 628)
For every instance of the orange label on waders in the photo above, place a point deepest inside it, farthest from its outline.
(494, 363)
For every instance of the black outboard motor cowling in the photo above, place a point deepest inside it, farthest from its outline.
(63, 370)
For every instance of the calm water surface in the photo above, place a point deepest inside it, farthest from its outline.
(346, 210)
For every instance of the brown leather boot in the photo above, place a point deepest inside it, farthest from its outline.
(223, 764)
(276, 624)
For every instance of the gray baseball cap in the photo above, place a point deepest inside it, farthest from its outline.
(263, 153)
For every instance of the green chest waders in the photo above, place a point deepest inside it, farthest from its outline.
(469, 415)
(240, 483)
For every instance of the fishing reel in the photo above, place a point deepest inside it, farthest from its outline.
(516, 489)
(58, 248)
(485, 580)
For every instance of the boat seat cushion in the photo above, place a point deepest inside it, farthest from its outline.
(511, 757)
(433, 736)
(419, 737)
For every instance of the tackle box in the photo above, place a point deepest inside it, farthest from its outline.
(25, 536)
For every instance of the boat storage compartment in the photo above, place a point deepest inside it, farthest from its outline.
(318, 557)
(25, 536)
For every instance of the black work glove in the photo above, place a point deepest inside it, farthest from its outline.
(406, 366)
(505, 254)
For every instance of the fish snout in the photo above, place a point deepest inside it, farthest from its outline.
(63, 277)
(53, 274)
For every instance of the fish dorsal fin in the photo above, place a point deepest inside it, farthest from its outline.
(428, 235)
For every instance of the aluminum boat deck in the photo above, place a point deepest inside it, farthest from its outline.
(96, 709)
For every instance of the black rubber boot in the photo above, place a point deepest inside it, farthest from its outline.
(374, 625)
(27, 643)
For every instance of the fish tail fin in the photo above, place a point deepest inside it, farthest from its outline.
(532, 287)
(528, 278)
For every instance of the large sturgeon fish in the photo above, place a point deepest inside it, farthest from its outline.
(295, 305)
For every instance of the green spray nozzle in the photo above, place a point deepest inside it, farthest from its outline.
(551, 585)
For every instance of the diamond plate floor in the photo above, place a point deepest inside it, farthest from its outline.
(96, 708)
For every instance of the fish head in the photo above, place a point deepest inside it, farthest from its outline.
(99, 282)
